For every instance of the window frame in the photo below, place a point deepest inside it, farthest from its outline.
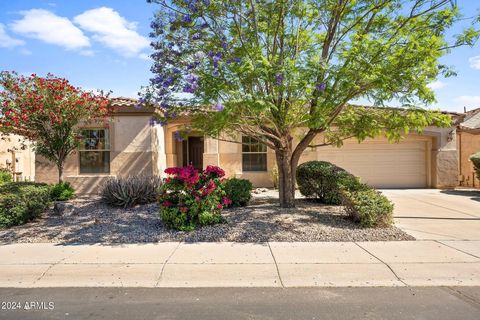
(107, 137)
(262, 150)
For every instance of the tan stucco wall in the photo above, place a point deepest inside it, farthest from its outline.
(132, 145)
(441, 157)
(24, 160)
(444, 157)
(468, 144)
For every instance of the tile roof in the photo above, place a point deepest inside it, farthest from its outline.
(128, 105)
(123, 101)
(472, 120)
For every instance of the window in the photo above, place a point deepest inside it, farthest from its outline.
(254, 155)
(94, 151)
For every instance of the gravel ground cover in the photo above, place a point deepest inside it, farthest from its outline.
(94, 222)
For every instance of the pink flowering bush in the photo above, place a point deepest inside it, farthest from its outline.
(189, 198)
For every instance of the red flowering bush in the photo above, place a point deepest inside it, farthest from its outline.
(189, 198)
(47, 111)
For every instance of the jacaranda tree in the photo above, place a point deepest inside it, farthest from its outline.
(277, 70)
(47, 112)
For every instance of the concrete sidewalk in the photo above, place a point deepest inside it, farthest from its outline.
(275, 264)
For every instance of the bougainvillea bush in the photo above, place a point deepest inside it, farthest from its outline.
(189, 198)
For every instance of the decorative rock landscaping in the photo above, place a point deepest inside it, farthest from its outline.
(263, 220)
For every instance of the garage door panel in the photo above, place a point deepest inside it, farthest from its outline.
(382, 165)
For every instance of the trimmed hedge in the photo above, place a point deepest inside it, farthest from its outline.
(21, 202)
(323, 180)
(239, 191)
(62, 191)
(475, 158)
(368, 207)
(130, 191)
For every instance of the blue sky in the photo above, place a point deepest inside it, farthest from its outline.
(103, 44)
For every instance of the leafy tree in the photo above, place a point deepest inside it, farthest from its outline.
(279, 69)
(47, 112)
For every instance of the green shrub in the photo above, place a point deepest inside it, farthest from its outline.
(21, 202)
(239, 191)
(475, 158)
(368, 207)
(323, 180)
(62, 192)
(130, 191)
(5, 176)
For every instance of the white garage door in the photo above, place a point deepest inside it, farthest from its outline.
(381, 164)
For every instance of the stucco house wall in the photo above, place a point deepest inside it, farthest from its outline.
(440, 159)
(17, 160)
(139, 147)
(468, 144)
(133, 151)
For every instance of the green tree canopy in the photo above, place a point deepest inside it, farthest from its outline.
(266, 68)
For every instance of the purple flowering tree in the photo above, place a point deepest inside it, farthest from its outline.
(277, 70)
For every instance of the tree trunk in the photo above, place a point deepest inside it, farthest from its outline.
(60, 172)
(287, 162)
(286, 178)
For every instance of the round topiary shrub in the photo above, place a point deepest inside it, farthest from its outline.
(239, 191)
(323, 180)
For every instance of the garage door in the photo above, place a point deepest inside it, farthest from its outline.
(381, 164)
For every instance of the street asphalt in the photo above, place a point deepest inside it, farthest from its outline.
(242, 303)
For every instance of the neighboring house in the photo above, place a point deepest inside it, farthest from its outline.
(468, 143)
(130, 145)
(19, 161)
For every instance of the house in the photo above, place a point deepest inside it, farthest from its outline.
(125, 144)
(17, 157)
(468, 143)
(129, 144)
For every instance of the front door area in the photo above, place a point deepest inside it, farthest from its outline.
(193, 152)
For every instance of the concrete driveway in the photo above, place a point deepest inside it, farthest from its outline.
(432, 214)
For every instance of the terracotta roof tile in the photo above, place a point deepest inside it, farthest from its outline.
(128, 105)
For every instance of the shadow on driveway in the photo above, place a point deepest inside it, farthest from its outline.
(472, 195)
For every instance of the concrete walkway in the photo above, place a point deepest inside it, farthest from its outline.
(432, 214)
(324, 264)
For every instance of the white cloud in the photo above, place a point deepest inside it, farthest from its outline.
(6, 41)
(88, 53)
(46, 26)
(475, 62)
(25, 52)
(144, 56)
(468, 101)
(113, 30)
(436, 85)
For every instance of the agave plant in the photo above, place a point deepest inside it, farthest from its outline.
(130, 191)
